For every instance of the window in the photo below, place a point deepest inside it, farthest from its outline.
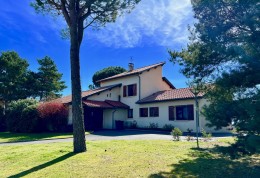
(143, 112)
(130, 113)
(184, 112)
(171, 113)
(154, 111)
(130, 90)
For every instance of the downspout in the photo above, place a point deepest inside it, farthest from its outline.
(113, 119)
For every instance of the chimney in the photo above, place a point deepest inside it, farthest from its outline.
(130, 66)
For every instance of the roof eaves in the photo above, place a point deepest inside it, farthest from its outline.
(159, 101)
(111, 87)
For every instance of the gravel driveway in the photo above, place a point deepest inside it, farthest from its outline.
(113, 135)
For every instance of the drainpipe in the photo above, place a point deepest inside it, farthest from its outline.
(113, 119)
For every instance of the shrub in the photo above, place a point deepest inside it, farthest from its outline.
(205, 134)
(189, 130)
(53, 116)
(168, 127)
(153, 126)
(176, 133)
(29, 119)
(133, 125)
(189, 137)
(17, 113)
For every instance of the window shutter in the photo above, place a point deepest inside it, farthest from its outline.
(191, 112)
(134, 89)
(171, 113)
(124, 91)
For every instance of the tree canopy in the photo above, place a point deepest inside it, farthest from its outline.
(12, 76)
(18, 82)
(79, 15)
(224, 51)
(106, 72)
(49, 79)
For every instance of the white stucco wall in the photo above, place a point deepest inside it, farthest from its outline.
(109, 121)
(164, 116)
(107, 95)
(129, 100)
(151, 82)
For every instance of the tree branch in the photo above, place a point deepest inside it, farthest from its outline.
(65, 11)
(57, 6)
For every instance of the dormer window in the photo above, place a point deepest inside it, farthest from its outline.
(130, 90)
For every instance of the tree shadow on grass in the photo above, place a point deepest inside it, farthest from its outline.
(212, 163)
(42, 166)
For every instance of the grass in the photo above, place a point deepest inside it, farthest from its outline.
(125, 159)
(15, 137)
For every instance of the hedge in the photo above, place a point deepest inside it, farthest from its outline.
(29, 116)
(53, 116)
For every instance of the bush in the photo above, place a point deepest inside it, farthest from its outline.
(18, 116)
(29, 119)
(53, 116)
(133, 125)
(176, 133)
(168, 127)
(189, 130)
(205, 134)
(153, 126)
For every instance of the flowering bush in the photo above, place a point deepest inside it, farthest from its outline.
(53, 116)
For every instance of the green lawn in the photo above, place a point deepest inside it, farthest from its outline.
(14, 137)
(124, 159)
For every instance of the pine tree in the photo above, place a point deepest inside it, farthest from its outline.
(49, 83)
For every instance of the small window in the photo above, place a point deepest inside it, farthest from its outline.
(154, 111)
(171, 113)
(130, 113)
(130, 90)
(143, 112)
(185, 112)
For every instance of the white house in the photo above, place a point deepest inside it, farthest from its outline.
(142, 97)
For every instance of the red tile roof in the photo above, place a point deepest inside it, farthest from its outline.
(168, 95)
(107, 104)
(84, 94)
(96, 104)
(117, 104)
(133, 72)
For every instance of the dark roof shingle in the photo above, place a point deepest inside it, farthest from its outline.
(107, 104)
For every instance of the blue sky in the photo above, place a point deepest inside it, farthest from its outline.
(145, 34)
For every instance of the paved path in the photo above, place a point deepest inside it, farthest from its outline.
(112, 135)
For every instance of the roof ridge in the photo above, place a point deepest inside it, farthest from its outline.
(148, 66)
(133, 72)
(177, 89)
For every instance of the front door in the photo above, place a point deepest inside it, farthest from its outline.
(93, 118)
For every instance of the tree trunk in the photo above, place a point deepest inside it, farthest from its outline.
(79, 141)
